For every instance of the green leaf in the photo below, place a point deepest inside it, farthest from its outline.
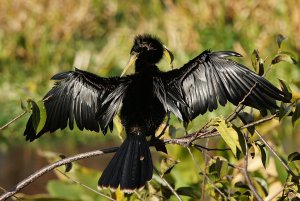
(68, 165)
(189, 191)
(284, 110)
(43, 116)
(26, 106)
(35, 114)
(261, 69)
(261, 186)
(119, 128)
(167, 164)
(265, 154)
(285, 88)
(39, 115)
(296, 115)
(295, 156)
(281, 171)
(263, 112)
(254, 59)
(257, 62)
(242, 188)
(247, 118)
(67, 190)
(172, 131)
(284, 56)
(251, 150)
(280, 38)
(233, 138)
(221, 167)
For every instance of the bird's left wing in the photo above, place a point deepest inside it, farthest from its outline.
(82, 97)
(210, 78)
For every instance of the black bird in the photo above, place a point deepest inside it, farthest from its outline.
(145, 97)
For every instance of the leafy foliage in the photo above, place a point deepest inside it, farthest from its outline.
(38, 39)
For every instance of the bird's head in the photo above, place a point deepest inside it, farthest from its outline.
(147, 50)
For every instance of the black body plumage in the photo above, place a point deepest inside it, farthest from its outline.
(146, 97)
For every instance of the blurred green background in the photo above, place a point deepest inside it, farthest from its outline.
(39, 38)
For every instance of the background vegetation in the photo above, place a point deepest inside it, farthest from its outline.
(41, 38)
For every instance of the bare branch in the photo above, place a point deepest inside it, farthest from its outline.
(52, 166)
(259, 121)
(205, 175)
(13, 120)
(277, 156)
(185, 141)
(247, 177)
(4, 190)
(169, 186)
(210, 149)
(240, 106)
(207, 154)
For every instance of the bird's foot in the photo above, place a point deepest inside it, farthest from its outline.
(158, 144)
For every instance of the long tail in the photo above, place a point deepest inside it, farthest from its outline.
(131, 167)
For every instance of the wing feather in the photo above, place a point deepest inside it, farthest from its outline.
(82, 97)
(211, 78)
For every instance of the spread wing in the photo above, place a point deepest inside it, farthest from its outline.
(210, 78)
(82, 97)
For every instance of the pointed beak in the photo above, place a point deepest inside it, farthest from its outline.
(132, 59)
(169, 56)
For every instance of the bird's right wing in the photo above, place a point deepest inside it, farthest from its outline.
(82, 97)
(210, 78)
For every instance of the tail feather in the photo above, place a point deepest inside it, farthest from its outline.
(131, 167)
(145, 174)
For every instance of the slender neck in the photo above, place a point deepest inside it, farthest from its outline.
(144, 67)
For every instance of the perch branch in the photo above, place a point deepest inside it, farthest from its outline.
(52, 166)
(183, 141)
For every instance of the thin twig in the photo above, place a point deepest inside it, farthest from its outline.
(186, 140)
(12, 121)
(52, 166)
(85, 186)
(207, 154)
(240, 106)
(169, 186)
(138, 195)
(210, 149)
(247, 177)
(284, 186)
(275, 154)
(205, 175)
(205, 169)
(275, 194)
(259, 121)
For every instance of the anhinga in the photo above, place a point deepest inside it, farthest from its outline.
(145, 97)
